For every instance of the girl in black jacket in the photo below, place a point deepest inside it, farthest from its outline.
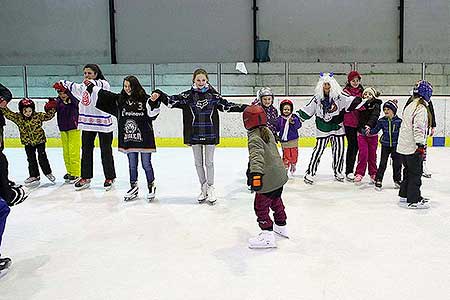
(135, 113)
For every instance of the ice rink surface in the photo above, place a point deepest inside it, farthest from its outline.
(347, 242)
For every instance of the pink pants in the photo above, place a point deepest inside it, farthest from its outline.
(367, 155)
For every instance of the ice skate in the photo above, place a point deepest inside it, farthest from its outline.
(378, 185)
(402, 199)
(151, 192)
(108, 184)
(419, 205)
(211, 195)
(358, 179)
(66, 178)
(426, 173)
(132, 192)
(397, 184)
(32, 182)
(281, 230)
(5, 263)
(203, 193)
(19, 195)
(264, 240)
(339, 177)
(308, 179)
(51, 177)
(292, 169)
(372, 179)
(350, 177)
(82, 184)
(73, 179)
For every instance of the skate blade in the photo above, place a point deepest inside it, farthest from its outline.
(212, 202)
(84, 187)
(128, 199)
(378, 189)
(308, 181)
(282, 235)
(262, 247)
(426, 175)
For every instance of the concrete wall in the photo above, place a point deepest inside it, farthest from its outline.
(169, 122)
(54, 32)
(427, 31)
(77, 32)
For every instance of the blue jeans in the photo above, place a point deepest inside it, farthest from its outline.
(4, 211)
(146, 158)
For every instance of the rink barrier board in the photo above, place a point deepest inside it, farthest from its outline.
(231, 142)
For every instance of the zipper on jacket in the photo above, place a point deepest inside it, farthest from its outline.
(390, 132)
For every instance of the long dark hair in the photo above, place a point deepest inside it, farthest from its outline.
(137, 91)
(96, 69)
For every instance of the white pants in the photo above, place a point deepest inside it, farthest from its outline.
(204, 157)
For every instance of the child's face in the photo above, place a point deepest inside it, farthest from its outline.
(89, 74)
(367, 95)
(27, 112)
(326, 87)
(64, 97)
(127, 87)
(388, 112)
(286, 110)
(266, 101)
(200, 80)
(355, 82)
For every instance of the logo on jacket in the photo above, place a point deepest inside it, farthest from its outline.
(132, 132)
(202, 103)
(85, 98)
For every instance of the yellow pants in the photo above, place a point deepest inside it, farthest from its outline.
(71, 143)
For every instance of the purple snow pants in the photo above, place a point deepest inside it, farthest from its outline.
(266, 201)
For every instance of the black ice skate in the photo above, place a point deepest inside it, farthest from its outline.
(132, 193)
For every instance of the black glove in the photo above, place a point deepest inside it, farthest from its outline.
(17, 197)
(420, 151)
(256, 181)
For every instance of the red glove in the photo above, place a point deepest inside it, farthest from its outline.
(51, 104)
(59, 87)
(420, 150)
(87, 82)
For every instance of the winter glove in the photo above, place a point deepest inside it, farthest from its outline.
(51, 104)
(18, 196)
(59, 87)
(420, 151)
(256, 181)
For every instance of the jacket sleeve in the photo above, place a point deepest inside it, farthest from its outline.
(75, 88)
(47, 116)
(106, 101)
(297, 124)
(433, 117)
(350, 103)
(174, 101)
(420, 125)
(374, 115)
(227, 106)
(5, 93)
(376, 128)
(10, 115)
(308, 111)
(256, 155)
(153, 109)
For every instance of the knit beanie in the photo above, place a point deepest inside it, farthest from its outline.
(352, 75)
(392, 105)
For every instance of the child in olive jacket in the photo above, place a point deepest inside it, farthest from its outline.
(267, 177)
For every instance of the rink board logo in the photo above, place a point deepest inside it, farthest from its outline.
(132, 132)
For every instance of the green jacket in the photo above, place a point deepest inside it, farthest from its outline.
(265, 159)
(30, 129)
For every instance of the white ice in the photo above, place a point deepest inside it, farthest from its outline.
(347, 242)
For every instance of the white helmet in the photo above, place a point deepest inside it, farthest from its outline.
(265, 91)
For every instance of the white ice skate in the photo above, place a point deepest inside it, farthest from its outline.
(425, 172)
(339, 177)
(350, 177)
(203, 193)
(419, 205)
(281, 230)
(132, 193)
(211, 195)
(32, 182)
(264, 240)
(397, 184)
(402, 200)
(292, 170)
(151, 192)
(51, 177)
(308, 179)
